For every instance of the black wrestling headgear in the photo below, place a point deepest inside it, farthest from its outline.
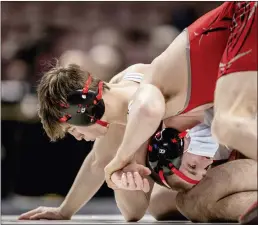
(164, 155)
(85, 107)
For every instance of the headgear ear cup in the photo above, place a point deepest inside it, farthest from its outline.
(85, 107)
(164, 155)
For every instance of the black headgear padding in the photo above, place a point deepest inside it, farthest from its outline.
(84, 109)
(165, 147)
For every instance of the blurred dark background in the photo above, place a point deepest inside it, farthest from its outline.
(102, 37)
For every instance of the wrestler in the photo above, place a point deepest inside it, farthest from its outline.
(187, 72)
(206, 202)
(62, 102)
(221, 45)
(57, 84)
(62, 109)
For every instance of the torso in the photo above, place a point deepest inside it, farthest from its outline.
(196, 70)
(179, 122)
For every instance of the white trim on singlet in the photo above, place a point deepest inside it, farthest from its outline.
(136, 77)
(188, 58)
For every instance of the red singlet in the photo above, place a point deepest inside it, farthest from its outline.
(222, 41)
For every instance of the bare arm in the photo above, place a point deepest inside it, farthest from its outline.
(144, 118)
(133, 204)
(149, 106)
(91, 175)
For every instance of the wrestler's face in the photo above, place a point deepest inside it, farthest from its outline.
(194, 166)
(88, 133)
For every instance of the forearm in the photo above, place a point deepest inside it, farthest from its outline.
(144, 118)
(132, 204)
(87, 183)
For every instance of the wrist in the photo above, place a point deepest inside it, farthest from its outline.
(123, 157)
(65, 212)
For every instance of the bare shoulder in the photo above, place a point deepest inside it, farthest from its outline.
(136, 68)
(172, 65)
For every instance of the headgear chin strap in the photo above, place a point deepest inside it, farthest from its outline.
(84, 107)
(164, 155)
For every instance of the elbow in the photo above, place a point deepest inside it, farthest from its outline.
(132, 217)
(152, 109)
(131, 214)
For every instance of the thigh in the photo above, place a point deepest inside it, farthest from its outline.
(224, 180)
(231, 207)
(236, 94)
(236, 88)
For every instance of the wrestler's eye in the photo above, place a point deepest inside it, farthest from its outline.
(206, 168)
(192, 166)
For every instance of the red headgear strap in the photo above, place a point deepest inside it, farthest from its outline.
(182, 134)
(100, 88)
(65, 118)
(179, 174)
(183, 176)
(87, 85)
(102, 123)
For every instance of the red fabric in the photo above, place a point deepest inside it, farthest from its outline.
(208, 38)
(223, 41)
(241, 50)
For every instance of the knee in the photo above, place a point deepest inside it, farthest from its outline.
(132, 217)
(164, 215)
(192, 208)
(156, 210)
(162, 211)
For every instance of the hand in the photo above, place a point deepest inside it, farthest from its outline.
(131, 178)
(114, 165)
(47, 213)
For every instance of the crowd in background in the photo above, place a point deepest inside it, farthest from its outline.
(103, 38)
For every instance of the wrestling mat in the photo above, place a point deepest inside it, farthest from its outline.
(94, 219)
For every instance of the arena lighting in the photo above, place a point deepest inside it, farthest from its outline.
(29, 106)
(13, 91)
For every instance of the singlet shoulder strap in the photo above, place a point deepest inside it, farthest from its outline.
(136, 77)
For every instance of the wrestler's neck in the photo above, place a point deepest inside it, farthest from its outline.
(116, 103)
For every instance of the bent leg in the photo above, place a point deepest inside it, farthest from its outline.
(235, 106)
(228, 188)
(163, 204)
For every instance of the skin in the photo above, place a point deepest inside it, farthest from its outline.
(209, 202)
(105, 147)
(237, 112)
(156, 99)
(137, 189)
(205, 202)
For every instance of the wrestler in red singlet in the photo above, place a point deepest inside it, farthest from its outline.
(217, 40)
